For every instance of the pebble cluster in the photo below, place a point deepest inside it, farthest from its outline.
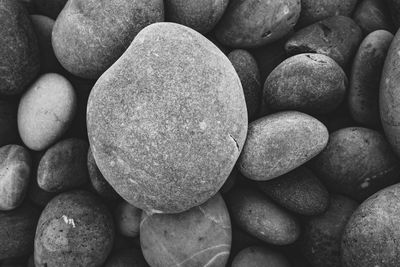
(243, 133)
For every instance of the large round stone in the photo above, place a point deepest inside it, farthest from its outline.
(168, 120)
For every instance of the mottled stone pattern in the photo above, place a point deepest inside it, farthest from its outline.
(201, 16)
(389, 101)
(17, 231)
(373, 15)
(262, 218)
(311, 83)
(254, 23)
(322, 234)
(357, 162)
(200, 236)
(15, 171)
(90, 35)
(279, 143)
(19, 54)
(75, 229)
(337, 37)
(371, 235)
(299, 191)
(249, 74)
(316, 10)
(63, 166)
(259, 257)
(97, 180)
(168, 120)
(365, 78)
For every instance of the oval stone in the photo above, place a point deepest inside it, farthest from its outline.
(279, 143)
(15, 171)
(168, 120)
(200, 236)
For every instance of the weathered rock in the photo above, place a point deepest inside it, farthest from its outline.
(373, 15)
(19, 53)
(259, 257)
(168, 120)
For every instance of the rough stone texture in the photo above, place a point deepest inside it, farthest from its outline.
(201, 16)
(394, 7)
(75, 229)
(15, 171)
(168, 120)
(316, 10)
(249, 74)
(19, 54)
(127, 219)
(372, 233)
(365, 78)
(49, 8)
(90, 35)
(299, 191)
(63, 166)
(357, 162)
(46, 111)
(8, 122)
(259, 257)
(337, 37)
(200, 236)
(279, 143)
(43, 27)
(131, 257)
(261, 217)
(322, 234)
(373, 15)
(251, 23)
(17, 231)
(389, 95)
(97, 180)
(311, 83)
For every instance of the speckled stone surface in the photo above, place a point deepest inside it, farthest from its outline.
(279, 143)
(90, 35)
(19, 54)
(311, 83)
(373, 15)
(49, 8)
(259, 216)
(269, 21)
(63, 166)
(17, 231)
(337, 37)
(97, 180)
(315, 10)
(168, 120)
(46, 111)
(372, 233)
(322, 234)
(249, 74)
(363, 97)
(201, 16)
(131, 257)
(389, 100)
(299, 191)
(357, 162)
(259, 257)
(75, 229)
(394, 7)
(197, 237)
(15, 171)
